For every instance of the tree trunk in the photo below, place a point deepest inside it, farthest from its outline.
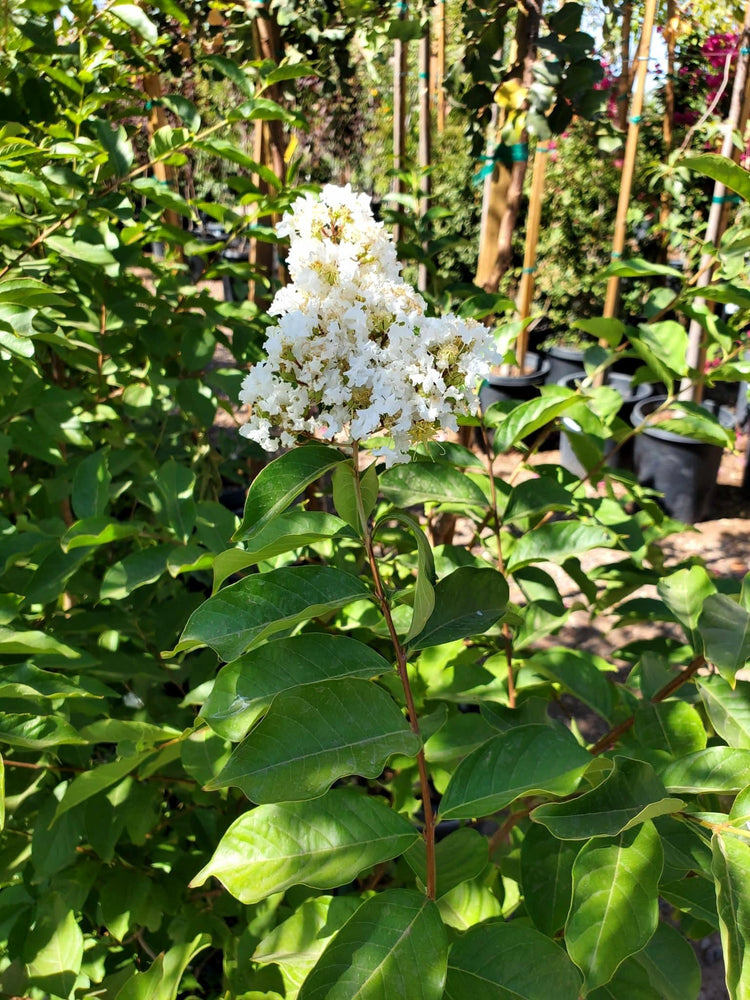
(425, 143)
(400, 53)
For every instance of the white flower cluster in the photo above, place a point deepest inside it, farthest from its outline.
(353, 353)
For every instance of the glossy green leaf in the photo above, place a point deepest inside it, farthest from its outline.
(162, 980)
(731, 870)
(684, 593)
(35, 643)
(581, 673)
(288, 531)
(528, 417)
(36, 732)
(90, 783)
(136, 570)
(461, 734)
(628, 796)
(129, 899)
(24, 680)
(536, 496)
(118, 146)
(728, 709)
(722, 169)
(2, 794)
(715, 769)
(671, 965)
(424, 590)
(136, 19)
(523, 760)
(175, 485)
(394, 945)
(91, 483)
(469, 903)
(673, 726)
(297, 943)
(694, 896)
(467, 602)
(98, 531)
(314, 735)
(556, 541)
(460, 856)
(547, 878)
(509, 961)
(281, 482)
(348, 493)
(420, 482)
(724, 627)
(615, 907)
(53, 950)
(323, 843)
(244, 614)
(245, 688)
(685, 850)
(630, 982)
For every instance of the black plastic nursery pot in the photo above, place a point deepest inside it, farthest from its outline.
(623, 457)
(564, 361)
(515, 388)
(683, 469)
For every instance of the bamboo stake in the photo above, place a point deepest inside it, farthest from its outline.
(494, 203)
(696, 352)
(668, 124)
(623, 84)
(612, 298)
(439, 74)
(163, 172)
(425, 142)
(526, 287)
(400, 52)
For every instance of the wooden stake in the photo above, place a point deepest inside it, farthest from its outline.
(526, 287)
(612, 298)
(696, 352)
(623, 84)
(668, 124)
(400, 53)
(425, 140)
(438, 81)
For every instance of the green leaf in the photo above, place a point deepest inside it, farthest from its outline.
(731, 870)
(23, 680)
(394, 945)
(53, 950)
(724, 627)
(408, 485)
(34, 732)
(117, 145)
(184, 109)
(297, 943)
(91, 484)
(424, 591)
(86, 785)
(671, 965)
(728, 709)
(528, 417)
(245, 688)
(615, 907)
(35, 643)
(162, 980)
(281, 482)
(556, 541)
(628, 796)
(721, 169)
(523, 760)
(315, 734)
(536, 496)
(694, 896)
(345, 494)
(129, 899)
(243, 615)
(509, 961)
(175, 484)
(98, 531)
(685, 593)
(323, 843)
(288, 531)
(134, 571)
(2, 794)
(467, 602)
(673, 726)
(547, 878)
(135, 18)
(715, 769)
(460, 856)
(581, 673)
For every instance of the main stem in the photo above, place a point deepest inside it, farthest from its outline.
(385, 607)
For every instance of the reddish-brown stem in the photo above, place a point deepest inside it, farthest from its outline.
(610, 738)
(385, 607)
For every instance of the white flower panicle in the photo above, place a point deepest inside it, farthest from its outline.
(353, 353)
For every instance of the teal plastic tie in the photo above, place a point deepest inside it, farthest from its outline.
(635, 119)
(616, 255)
(718, 199)
(519, 152)
(528, 270)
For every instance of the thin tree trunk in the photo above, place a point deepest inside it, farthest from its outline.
(696, 352)
(438, 75)
(425, 142)
(400, 54)
(527, 34)
(526, 288)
